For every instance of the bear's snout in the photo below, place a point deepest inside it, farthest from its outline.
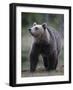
(29, 29)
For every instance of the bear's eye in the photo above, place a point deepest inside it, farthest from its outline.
(36, 28)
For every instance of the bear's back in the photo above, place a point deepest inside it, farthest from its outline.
(56, 38)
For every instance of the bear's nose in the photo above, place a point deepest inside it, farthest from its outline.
(29, 29)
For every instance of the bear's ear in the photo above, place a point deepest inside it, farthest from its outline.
(44, 25)
(34, 23)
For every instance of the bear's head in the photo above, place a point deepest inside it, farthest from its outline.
(37, 30)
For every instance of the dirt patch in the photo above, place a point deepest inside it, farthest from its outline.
(42, 72)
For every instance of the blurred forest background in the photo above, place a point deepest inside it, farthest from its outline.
(54, 20)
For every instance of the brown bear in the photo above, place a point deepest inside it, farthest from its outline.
(47, 43)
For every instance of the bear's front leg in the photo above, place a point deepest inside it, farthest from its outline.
(53, 61)
(33, 58)
(46, 62)
(50, 62)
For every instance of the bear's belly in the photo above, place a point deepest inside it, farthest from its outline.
(44, 49)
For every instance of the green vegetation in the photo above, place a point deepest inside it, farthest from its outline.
(55, 20)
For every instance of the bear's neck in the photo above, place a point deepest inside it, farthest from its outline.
(45, 37)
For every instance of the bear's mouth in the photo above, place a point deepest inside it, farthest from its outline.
(34, 34)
